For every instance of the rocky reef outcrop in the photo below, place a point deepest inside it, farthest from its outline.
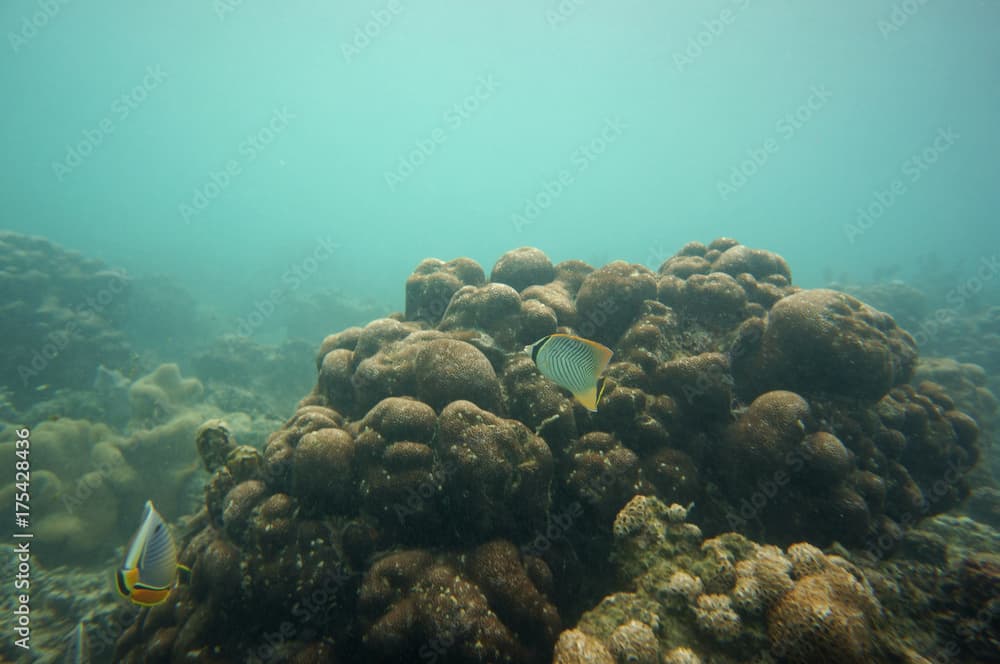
(435, 498)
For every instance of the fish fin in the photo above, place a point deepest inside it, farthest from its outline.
(592, 396)
(602, 383)
(183, 573)
(150, 596)
(588, 398)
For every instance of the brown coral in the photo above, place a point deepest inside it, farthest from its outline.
(822, 341)
(826, 617)
(523, 267)
(433, 282)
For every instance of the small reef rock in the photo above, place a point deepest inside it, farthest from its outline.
(435, 498)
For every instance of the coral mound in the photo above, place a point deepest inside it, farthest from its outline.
(434, 497)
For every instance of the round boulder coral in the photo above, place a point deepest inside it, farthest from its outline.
(323, 470)
(716, 617)
(715, 294)
(826, 458)
(826, 342)
(576, 647)
(433, 282)
(498, 471)
(611, 298)
(399, 481)
(766, 433)
(602, 472)
(739, 259)
(419, 607)
(826, 617)
(701, 384)
(448, 370)
(400, 418)
(523, 267)
(634, 642)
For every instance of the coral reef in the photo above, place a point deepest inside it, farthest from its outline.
(61, 318)
(158, 397)
(488, 609)
(729, 599)
(821, 342)
(89, 481)
(62, 597)
(446, 502)
(242, 375)
(433, 282)
(945, 321)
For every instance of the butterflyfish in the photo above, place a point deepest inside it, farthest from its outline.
(150, 569)
(574, 363)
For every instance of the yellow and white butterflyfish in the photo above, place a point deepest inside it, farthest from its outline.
(574, 363)
(149, 571)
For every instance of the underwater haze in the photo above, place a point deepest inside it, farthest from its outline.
(219, 142)
(533, 332)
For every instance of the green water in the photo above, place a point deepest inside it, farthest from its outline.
(220, 142)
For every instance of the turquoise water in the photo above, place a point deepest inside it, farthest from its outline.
(278, 170)
(221, 142)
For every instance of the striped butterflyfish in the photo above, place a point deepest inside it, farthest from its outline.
(149, 570)
(574, 363)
